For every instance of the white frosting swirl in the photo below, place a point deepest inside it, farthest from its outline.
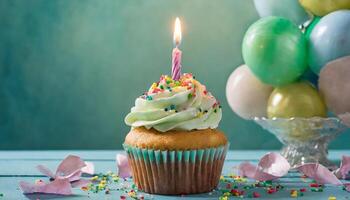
(176, 105)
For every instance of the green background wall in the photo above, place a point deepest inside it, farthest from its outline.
(71, 69)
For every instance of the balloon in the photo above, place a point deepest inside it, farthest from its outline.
(329, 40)
(311, 26)
(345, 119)
(275, 50)
(289, 9)
(323, 7)
(334, 84)
(247, 95)
(298, 99)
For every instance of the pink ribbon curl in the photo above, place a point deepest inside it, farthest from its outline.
(273, 166)
(68, 175)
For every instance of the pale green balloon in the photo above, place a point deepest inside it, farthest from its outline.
(299, 99)
(275, 50)
(290, 9)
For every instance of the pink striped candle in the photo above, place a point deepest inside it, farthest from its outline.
(176, 64)
(176, 55)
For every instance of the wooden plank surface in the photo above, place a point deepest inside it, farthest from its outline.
(18, 166)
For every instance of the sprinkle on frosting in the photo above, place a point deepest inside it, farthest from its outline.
(183, 104)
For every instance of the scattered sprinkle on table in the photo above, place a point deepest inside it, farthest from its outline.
(294, 193)
(230, 187)
(332, 198)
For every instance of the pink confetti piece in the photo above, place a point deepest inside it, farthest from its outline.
(46, 171)
(343, 171)
(70, 168)
(347, 186)
(89, 168)
(58, 186)
(319, 173)
(67, 175)
(271, 166)
(124, 170)
(247, 169)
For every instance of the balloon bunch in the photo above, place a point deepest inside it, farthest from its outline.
(291, 70)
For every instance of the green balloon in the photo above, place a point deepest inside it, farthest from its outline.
(275, 50)
(311, 26)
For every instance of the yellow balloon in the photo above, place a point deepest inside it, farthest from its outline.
(323, 7)
(298, 99)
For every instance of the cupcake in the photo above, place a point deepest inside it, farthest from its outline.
(174, 146)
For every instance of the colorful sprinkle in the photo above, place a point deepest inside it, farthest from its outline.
(316, 190)
(294, 193)
(279, 187)
(149, 98)
(256, 195)
(154, 85)
(315, 185)
(84, 188)
(223, 198)
(132, 194)
(332, 198)
(271, 190)
(189, 95)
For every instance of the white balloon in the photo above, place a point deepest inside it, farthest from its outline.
(247, 95)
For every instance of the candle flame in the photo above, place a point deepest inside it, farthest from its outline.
(177, 32)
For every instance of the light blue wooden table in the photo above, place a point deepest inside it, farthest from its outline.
(16, 166)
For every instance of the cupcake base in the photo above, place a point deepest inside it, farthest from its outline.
(176, 172)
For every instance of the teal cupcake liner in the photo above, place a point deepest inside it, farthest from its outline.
(176, 172)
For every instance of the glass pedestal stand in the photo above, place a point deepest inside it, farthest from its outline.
(304, 140)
